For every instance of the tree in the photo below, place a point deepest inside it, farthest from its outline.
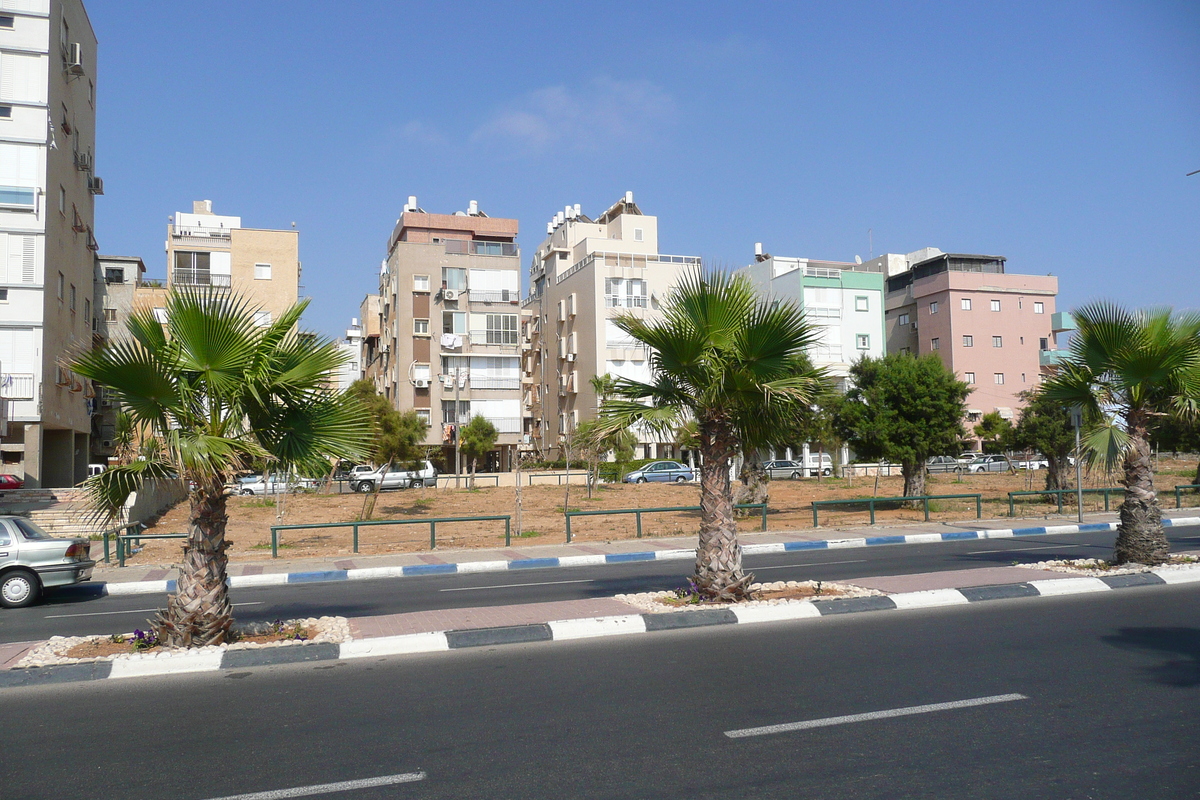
(595, 442)
(397, 436)
(213, 389)
(1177, 435)
(736, 365)
(994, 430)
(904, 409)
(1128, 370)
(477, 439)
(1044, 426)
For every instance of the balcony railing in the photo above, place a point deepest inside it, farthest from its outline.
(626, 260)
(625, 344)
(1048, 358)
(198, 234)
(624, 301)
(17, 386)
(476, 248)
(189, 277)
(500, 338)
(494, 296)
(483, 382)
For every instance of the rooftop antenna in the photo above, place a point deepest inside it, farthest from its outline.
(870, 243)
(1193, 172)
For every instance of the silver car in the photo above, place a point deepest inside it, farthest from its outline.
(32, 560)
(783, 468)
(991, 463)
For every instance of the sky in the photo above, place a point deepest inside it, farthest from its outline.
(1057, 134)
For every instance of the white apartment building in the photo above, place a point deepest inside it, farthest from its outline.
(47, 244)
(352, 348)
(844, 299)
(584, 273)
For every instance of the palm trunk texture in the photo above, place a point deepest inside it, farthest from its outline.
(199, 613)
(719, 573)
(1140, 537)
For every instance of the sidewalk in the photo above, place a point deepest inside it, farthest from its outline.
(524, 556)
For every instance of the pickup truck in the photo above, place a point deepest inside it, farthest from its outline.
(392, 477)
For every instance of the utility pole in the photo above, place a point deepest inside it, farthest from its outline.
(1077, 421)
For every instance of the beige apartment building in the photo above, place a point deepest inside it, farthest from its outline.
(117, 280)
(441, 337)
(204, 249)
(991, 327)
(583, 274)
(48, 187)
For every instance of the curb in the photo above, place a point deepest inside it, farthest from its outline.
(158, 664)
(371, 573)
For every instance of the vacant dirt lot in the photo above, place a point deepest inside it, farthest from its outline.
(790, 504)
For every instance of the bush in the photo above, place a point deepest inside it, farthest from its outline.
(576, 463)
(608, 469)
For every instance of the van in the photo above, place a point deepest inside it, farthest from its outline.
(818, 463)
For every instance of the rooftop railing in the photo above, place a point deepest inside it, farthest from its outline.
(607, 259)
(476, 248)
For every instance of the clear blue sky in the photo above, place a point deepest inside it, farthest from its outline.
(1056, 134)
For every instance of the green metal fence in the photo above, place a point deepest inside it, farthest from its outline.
(637, 512)
(129, 528)
(125, 542)
(431, 522)
(871, 501)
(1179, 492)
(1060, 492)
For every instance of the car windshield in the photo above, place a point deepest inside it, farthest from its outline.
(30, 532)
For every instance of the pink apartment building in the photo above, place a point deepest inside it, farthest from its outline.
(992, 328)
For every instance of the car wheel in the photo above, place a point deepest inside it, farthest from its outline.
(366, 487)
(681, 479)
(18, 588)
(795, 476)
(247, 491)
(640, 480)
(827, 472)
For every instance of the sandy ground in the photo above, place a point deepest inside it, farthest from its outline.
(250, 518)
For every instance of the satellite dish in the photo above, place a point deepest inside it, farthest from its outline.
(858, 259)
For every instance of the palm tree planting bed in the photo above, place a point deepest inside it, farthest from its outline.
(1098, 567)
(759, 594)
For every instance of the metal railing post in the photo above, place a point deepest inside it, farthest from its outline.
(106, 533)
(814, 507)
(978, 506)
(1059, 495)
(507, 531)
(568, 513)
(925, 502)
(274, 542)
(872, 505)
(1012, 510)
(432, 535)
(120, 552)
(356, 538)
(1178, 504)
(764, 517)
(1106, 496)
(638, 515)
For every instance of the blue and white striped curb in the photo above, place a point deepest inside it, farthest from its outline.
(213, 659)
(369, 573)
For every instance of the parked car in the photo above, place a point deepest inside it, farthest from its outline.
(255, 484)
(816, 463)
(11, 482)
(992, 463)
(1035, 461)
(393, 477)
(782, 468)
(663, 472)
(943, 464)
(967, 456)
(32, 560)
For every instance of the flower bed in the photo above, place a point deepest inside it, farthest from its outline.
(1097, 567)
(762, 594)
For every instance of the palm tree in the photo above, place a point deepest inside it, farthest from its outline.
(214, 390)
(1127, 368)
(736, 365)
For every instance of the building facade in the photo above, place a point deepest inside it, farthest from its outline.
(47, 241)
(117, 279)
(583, 274)
(351, 349)
(990, 326)
(445, 339)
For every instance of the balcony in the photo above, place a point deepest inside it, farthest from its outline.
(624, 301)
(512, 296)
(196, 277)
(204, 237)
(604, 259)
(472, 247)
(1049, 358)
(485, 382)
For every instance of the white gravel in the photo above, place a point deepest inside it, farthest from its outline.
(53, 651)
(648, 601)
(1098, 568)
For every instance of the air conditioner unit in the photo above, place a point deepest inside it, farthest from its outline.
(450, 294)
(570, 356)
(107, 443)
(83, 162)
(421, 383)
(448, 382)
(74, 63)
(95, 185)
(913, 327)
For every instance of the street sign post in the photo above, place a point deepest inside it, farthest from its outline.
(1077, 422)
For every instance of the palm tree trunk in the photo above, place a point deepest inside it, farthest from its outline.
(1140, 537)
(719, 556)
(199, 612)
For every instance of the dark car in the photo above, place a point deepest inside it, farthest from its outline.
(11, 482)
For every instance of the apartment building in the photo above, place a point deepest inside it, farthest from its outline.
(116, 279)
(446, 340)
(844, 299)
(47, 242)
(990, 326)
(352, 349)
(204, 249)
(583, 274)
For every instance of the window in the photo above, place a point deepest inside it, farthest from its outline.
(902, 319)
(160, 316)
(72, 297)
(114, 275)
(997, 341)
(862, 303)
(91, 93)
(7, 21)
(262, 272)
(110, 315)
(935, 344)
(454, 322)
(502, 328)
(192, 269)
(423, 415)
(3, 295)
(966, 304)
(62, 285)
(420, 283)
(933, 307)
(5, 112)
(420, 327)
(87, 310)
(999, 378)
(624, 293)
(1043, 344)
(62, 201)
(262, 318)
(863, 341)
(969, 378)
(637, 234)
(454, 278)
(1039, 308)
(968, 341)
(17, 197)
(995, 305)
(421, 372)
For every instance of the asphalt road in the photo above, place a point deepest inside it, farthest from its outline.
(1110, 686)
(78, 612)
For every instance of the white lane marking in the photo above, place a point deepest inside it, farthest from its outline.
(328, 788)
(809, 564)
(133, 611)
(511, 585)
(895, 712)
(1019, 549)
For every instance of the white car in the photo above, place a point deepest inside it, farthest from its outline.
(276, 485)
(395, 478)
